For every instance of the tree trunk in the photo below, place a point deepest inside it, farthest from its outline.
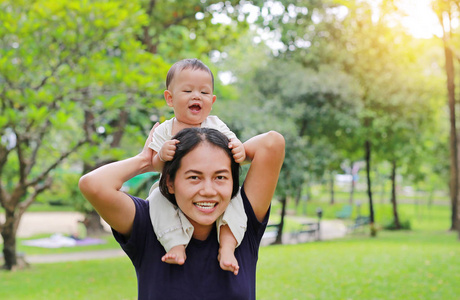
(9, 241)
(93, 224)
(331, 186)
(367, 145)
(279, 236)
(307, 198)
(454, 168)
(393, 196)
(11, 260)
(298, 196)
(352, 189)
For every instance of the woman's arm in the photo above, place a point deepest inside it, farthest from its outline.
(101, 188)
(266, 151)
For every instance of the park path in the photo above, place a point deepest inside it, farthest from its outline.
(34, 223)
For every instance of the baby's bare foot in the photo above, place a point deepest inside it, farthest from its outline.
(228, 261)
(175, 256)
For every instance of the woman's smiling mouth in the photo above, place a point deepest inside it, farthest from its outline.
(205, 205)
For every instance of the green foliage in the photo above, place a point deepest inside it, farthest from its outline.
(178, 29)
(60, 58)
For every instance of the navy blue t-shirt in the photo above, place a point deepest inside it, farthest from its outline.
(201, 276)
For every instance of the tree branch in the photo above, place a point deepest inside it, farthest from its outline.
(120, 129)
(145, 29)
(38, 138)
(63, 156)
(53, 71)
(39, 188)
(21, 160)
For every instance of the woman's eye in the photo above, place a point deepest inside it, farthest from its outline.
(193, 177)
(221, 177)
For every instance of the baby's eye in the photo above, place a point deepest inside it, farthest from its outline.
(187, 91)
(204, 93)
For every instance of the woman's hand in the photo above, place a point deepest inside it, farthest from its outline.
(147, 153)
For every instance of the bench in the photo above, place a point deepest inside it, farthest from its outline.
(271, 231)
(309, 229)
(345, 212)
(360, 221)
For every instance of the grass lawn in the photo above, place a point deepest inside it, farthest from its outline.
(419, 264)
(395, 265)
(96, 279)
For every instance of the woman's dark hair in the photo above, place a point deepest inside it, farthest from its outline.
(189, 139)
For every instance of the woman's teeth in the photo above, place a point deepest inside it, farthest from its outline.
(205, 205)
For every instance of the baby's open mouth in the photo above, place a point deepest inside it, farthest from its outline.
(195, 107)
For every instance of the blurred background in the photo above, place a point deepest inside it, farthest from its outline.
(364, 92)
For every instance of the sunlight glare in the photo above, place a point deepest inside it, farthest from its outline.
(421, 21)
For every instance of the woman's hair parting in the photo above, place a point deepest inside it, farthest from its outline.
(189, 139)
(189, 63)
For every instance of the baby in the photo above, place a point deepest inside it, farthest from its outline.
(189, 91)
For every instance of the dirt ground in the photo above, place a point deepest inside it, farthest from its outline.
(34, 223)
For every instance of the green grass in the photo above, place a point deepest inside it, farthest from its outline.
(45, 207)
(103, 279)
(417, 264)
(395, 265)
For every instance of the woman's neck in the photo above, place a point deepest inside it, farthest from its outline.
(201, 232)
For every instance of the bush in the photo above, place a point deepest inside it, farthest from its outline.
(405, 225)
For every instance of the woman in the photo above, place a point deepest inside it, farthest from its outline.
(201, 179)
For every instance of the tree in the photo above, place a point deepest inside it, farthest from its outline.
(52, 56)
(353, 115)
(178, 29)
(447, 11)
(173, 30)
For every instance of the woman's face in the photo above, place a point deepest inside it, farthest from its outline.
(203, 185)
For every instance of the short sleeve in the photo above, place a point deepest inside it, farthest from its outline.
(161, 135)
(141, 228)
(255, 229)
(215, 123)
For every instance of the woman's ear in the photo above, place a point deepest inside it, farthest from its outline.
(170, 185)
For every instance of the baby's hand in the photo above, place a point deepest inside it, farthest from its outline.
(239, 154)
(168, 150)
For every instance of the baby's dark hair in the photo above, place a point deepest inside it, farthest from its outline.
(189, 63)
(189, 139)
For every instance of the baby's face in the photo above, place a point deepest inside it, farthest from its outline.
(190, 94)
